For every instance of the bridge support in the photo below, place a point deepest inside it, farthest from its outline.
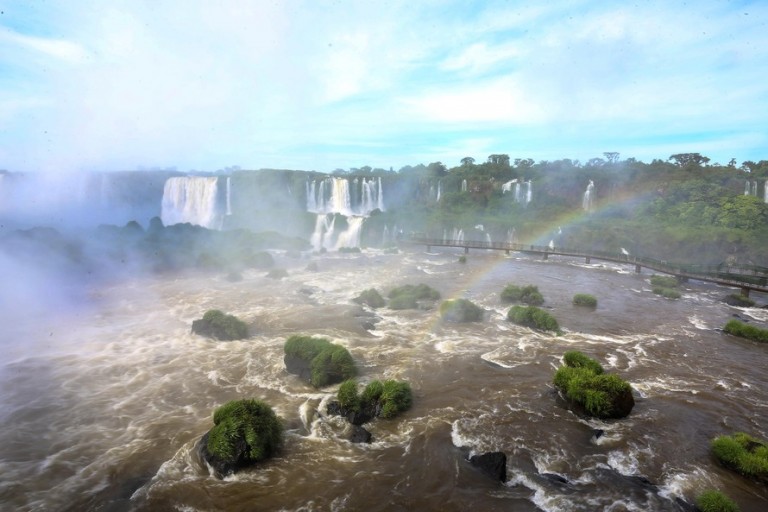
(466, 250)
(588, 260)
(745, 292)
(546, 255)
(638, 268)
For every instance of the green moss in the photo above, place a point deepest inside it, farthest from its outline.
(221, 326)
(747, 331)
(715, 501)
(533, 317)
(328, 363)
(738, 300)
(461, 310)
(668, 293)
(251, 420)
(742, 453)
(584, 299)
(582, 380)
(371, 298)
(407, 296)
(664, 281)
(528, 294)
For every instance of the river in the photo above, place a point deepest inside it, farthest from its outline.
(102, 404)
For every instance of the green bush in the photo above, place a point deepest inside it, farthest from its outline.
(738, 300)
(462, 259)
(743, 454)
(664, 281)
(584, 299)
(386, 399)
(461, 310)
(668, 293)
(371, 298)
(328, 363)
(715, 501)
(347, 395)
(218, 325)
(601, 395)
(407, 296)
(533, 317)
(250, 420)
(528, 294)
(747, 331)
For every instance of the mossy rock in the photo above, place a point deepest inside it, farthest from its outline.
(409, 296)
(583, 382)
(216, 324)
(533, 317)
(585, 300)
(528, 294)
(277, 273)
(371, 298)
(318, 361)
(385, 399)
(461, 310)
(669, 293)
(245, 432)
(712, 500)
(738, 300)
(742, 330)
(664, 281)
(744, 454)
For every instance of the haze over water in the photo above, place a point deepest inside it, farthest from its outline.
(105, 412)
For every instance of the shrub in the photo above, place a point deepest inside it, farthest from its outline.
(668, 293)
(251, 421)
(738, 300)
(461, 310)
(743, 454)
(715, 501)
(347, 395)
(747, 331)
(371, 298)
(385, 399)
(462, 259)
(664, 281)
(407, 296)
(531, 316)
(602, 395)
(584, 299)
(328, 363)
(217, 325)
(528, 294)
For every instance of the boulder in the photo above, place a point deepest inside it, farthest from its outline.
(493, 464)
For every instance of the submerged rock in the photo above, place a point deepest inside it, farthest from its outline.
(493, 464)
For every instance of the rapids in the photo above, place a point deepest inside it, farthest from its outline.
(102, 405)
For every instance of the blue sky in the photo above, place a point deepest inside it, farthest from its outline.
(94, 85)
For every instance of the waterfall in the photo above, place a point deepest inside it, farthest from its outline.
(355, 199)
(507, 187)
(746, 188)
(529, 192)
(586, 203)
(463, 185)
(511, 236)
(191, 199)
(754, 188)
(551, 244)
(518, 196)
(229, 195)
(439, 190)
(488, 239)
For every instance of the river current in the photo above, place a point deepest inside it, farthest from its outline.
(102, 404)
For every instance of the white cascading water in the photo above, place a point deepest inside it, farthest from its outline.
(463, 185)
(330, 196)
(191, 199)
(229, 195)
(746, 188)
(507, 187)
(586, 203)
(440, 191)
(529, 192)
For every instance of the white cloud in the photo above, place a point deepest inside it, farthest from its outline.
(58, 48)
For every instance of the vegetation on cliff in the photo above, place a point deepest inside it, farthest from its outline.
(583, 381)
(318, 361)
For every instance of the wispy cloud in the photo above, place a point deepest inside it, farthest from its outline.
(88, 84)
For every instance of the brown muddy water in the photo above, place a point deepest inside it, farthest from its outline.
(101, 408)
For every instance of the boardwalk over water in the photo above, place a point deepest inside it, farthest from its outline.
(744, 277)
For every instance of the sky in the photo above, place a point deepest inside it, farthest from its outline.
(320, 85)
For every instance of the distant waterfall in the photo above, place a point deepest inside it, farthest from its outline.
(463, 185)
(191, 199)
(229, 195)
(507, 187)
(529, 192)
(354, 199)
(439, 190)
(586, 203)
